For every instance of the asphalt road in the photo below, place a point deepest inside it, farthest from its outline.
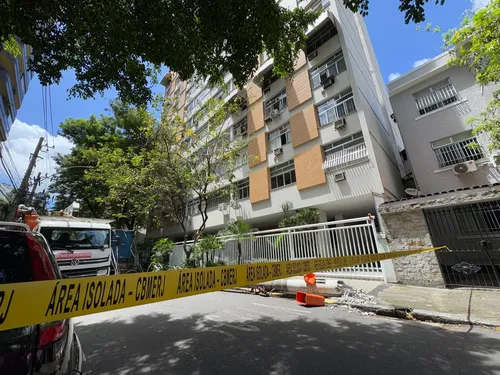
(230, 333)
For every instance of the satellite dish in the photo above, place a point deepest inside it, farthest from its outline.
(412, 192)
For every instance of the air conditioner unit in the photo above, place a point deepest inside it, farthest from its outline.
(339, 177)
(234, 203)
(312, 55)
(465, 167)
(222, 207)
(327, 82)
(275, 113)
(278, 151)
(340, 123)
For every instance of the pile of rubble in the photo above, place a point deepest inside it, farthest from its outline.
(352, 296)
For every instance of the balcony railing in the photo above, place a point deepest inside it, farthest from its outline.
(436, 99)
(458, 152)
(314, 5)
(345, 158)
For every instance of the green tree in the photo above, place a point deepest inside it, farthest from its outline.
(239, 231)
(206, 248)
(121, 130)
(180, 164)
(301, 216)
(121, 44)
(160, 256)
(476, 45)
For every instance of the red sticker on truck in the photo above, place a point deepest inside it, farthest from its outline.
(74, 255)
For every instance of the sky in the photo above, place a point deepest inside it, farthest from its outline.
(398, 47)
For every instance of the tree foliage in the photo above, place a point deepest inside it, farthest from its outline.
(301, 216)
(160, 256)
(118, 133)
(476, 45)
(117, 43)
(239, 231)
(180, 164)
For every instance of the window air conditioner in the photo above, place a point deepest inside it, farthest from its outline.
(465, 167)
(275, 113)
(340, 123)
(339, 177)
(278, 151)
(312, 55)
(327, 82)
(222, 207)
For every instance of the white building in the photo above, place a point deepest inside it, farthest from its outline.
(432, 105)
(322, 139)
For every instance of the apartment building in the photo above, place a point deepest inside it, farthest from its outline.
(432, 104)
(14, 81)
(321, 139)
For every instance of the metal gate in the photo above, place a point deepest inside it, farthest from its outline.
(472, 232)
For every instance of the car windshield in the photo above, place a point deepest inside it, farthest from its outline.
(74, 238)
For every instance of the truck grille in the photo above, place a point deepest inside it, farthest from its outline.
(96, 261)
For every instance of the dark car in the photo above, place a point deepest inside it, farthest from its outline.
(48, 348)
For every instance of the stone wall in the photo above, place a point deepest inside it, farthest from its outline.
(408, 231)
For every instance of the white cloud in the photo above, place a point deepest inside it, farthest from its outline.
(393, 76)
(476, 4)
(417, 63)
(22, 141)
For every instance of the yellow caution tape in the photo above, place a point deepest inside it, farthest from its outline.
(30, 303)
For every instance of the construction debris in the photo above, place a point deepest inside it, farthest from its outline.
(354, 296)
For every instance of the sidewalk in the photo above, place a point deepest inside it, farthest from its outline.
(446, 305)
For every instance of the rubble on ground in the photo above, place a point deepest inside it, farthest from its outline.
(352, 296)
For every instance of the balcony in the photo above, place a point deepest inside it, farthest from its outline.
(345, 158)
(314, 5)
(436, 99)
(458, 152)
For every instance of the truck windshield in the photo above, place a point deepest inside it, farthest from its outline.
(74, 238)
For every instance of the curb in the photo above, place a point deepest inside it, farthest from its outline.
(421, 315)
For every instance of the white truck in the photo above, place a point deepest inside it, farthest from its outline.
(82, 247)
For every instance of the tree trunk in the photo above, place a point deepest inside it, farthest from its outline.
(239, 252)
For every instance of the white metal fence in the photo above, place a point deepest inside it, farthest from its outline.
(337, 238)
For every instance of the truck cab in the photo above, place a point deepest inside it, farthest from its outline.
(82, 247)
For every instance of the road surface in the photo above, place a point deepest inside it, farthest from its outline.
(231, 333)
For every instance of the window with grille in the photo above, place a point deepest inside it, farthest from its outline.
(457, 149)
(436, 96)
(243, 188)
(279, 137)
(320, 37)
(339, 106)
(283, 174)
(268, 79)
(240, 129)
(346, 152)
(275, 105)
(331, 68)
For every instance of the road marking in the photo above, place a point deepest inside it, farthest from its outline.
(294, 311)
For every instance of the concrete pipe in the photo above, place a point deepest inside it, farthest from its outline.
(323, 287)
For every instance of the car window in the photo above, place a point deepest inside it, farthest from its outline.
(15, 265)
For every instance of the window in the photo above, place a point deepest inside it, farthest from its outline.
(456, 149)
(75, 238)
(203, 94)
(192, 105)
(320, 37)
(267, 80)
(240, 129)
(214, 202)
(275, 105)
(283, 174)
(344, 144)
(279, 137)
(192, 207)
(435, 97)
(264, 56)
(331, 68)
(242, 159)
(243, 188)
(346, 152)
(339, 106)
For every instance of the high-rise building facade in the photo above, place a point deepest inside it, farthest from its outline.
(323, 138)
(14, 81)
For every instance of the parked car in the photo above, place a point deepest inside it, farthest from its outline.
(49, 348)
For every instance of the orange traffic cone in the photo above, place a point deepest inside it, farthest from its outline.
(309, 299)
(310, 279)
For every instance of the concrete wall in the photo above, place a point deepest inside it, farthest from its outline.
(419, 131)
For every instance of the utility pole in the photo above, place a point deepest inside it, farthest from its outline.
(23, 188)
(36, 183)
